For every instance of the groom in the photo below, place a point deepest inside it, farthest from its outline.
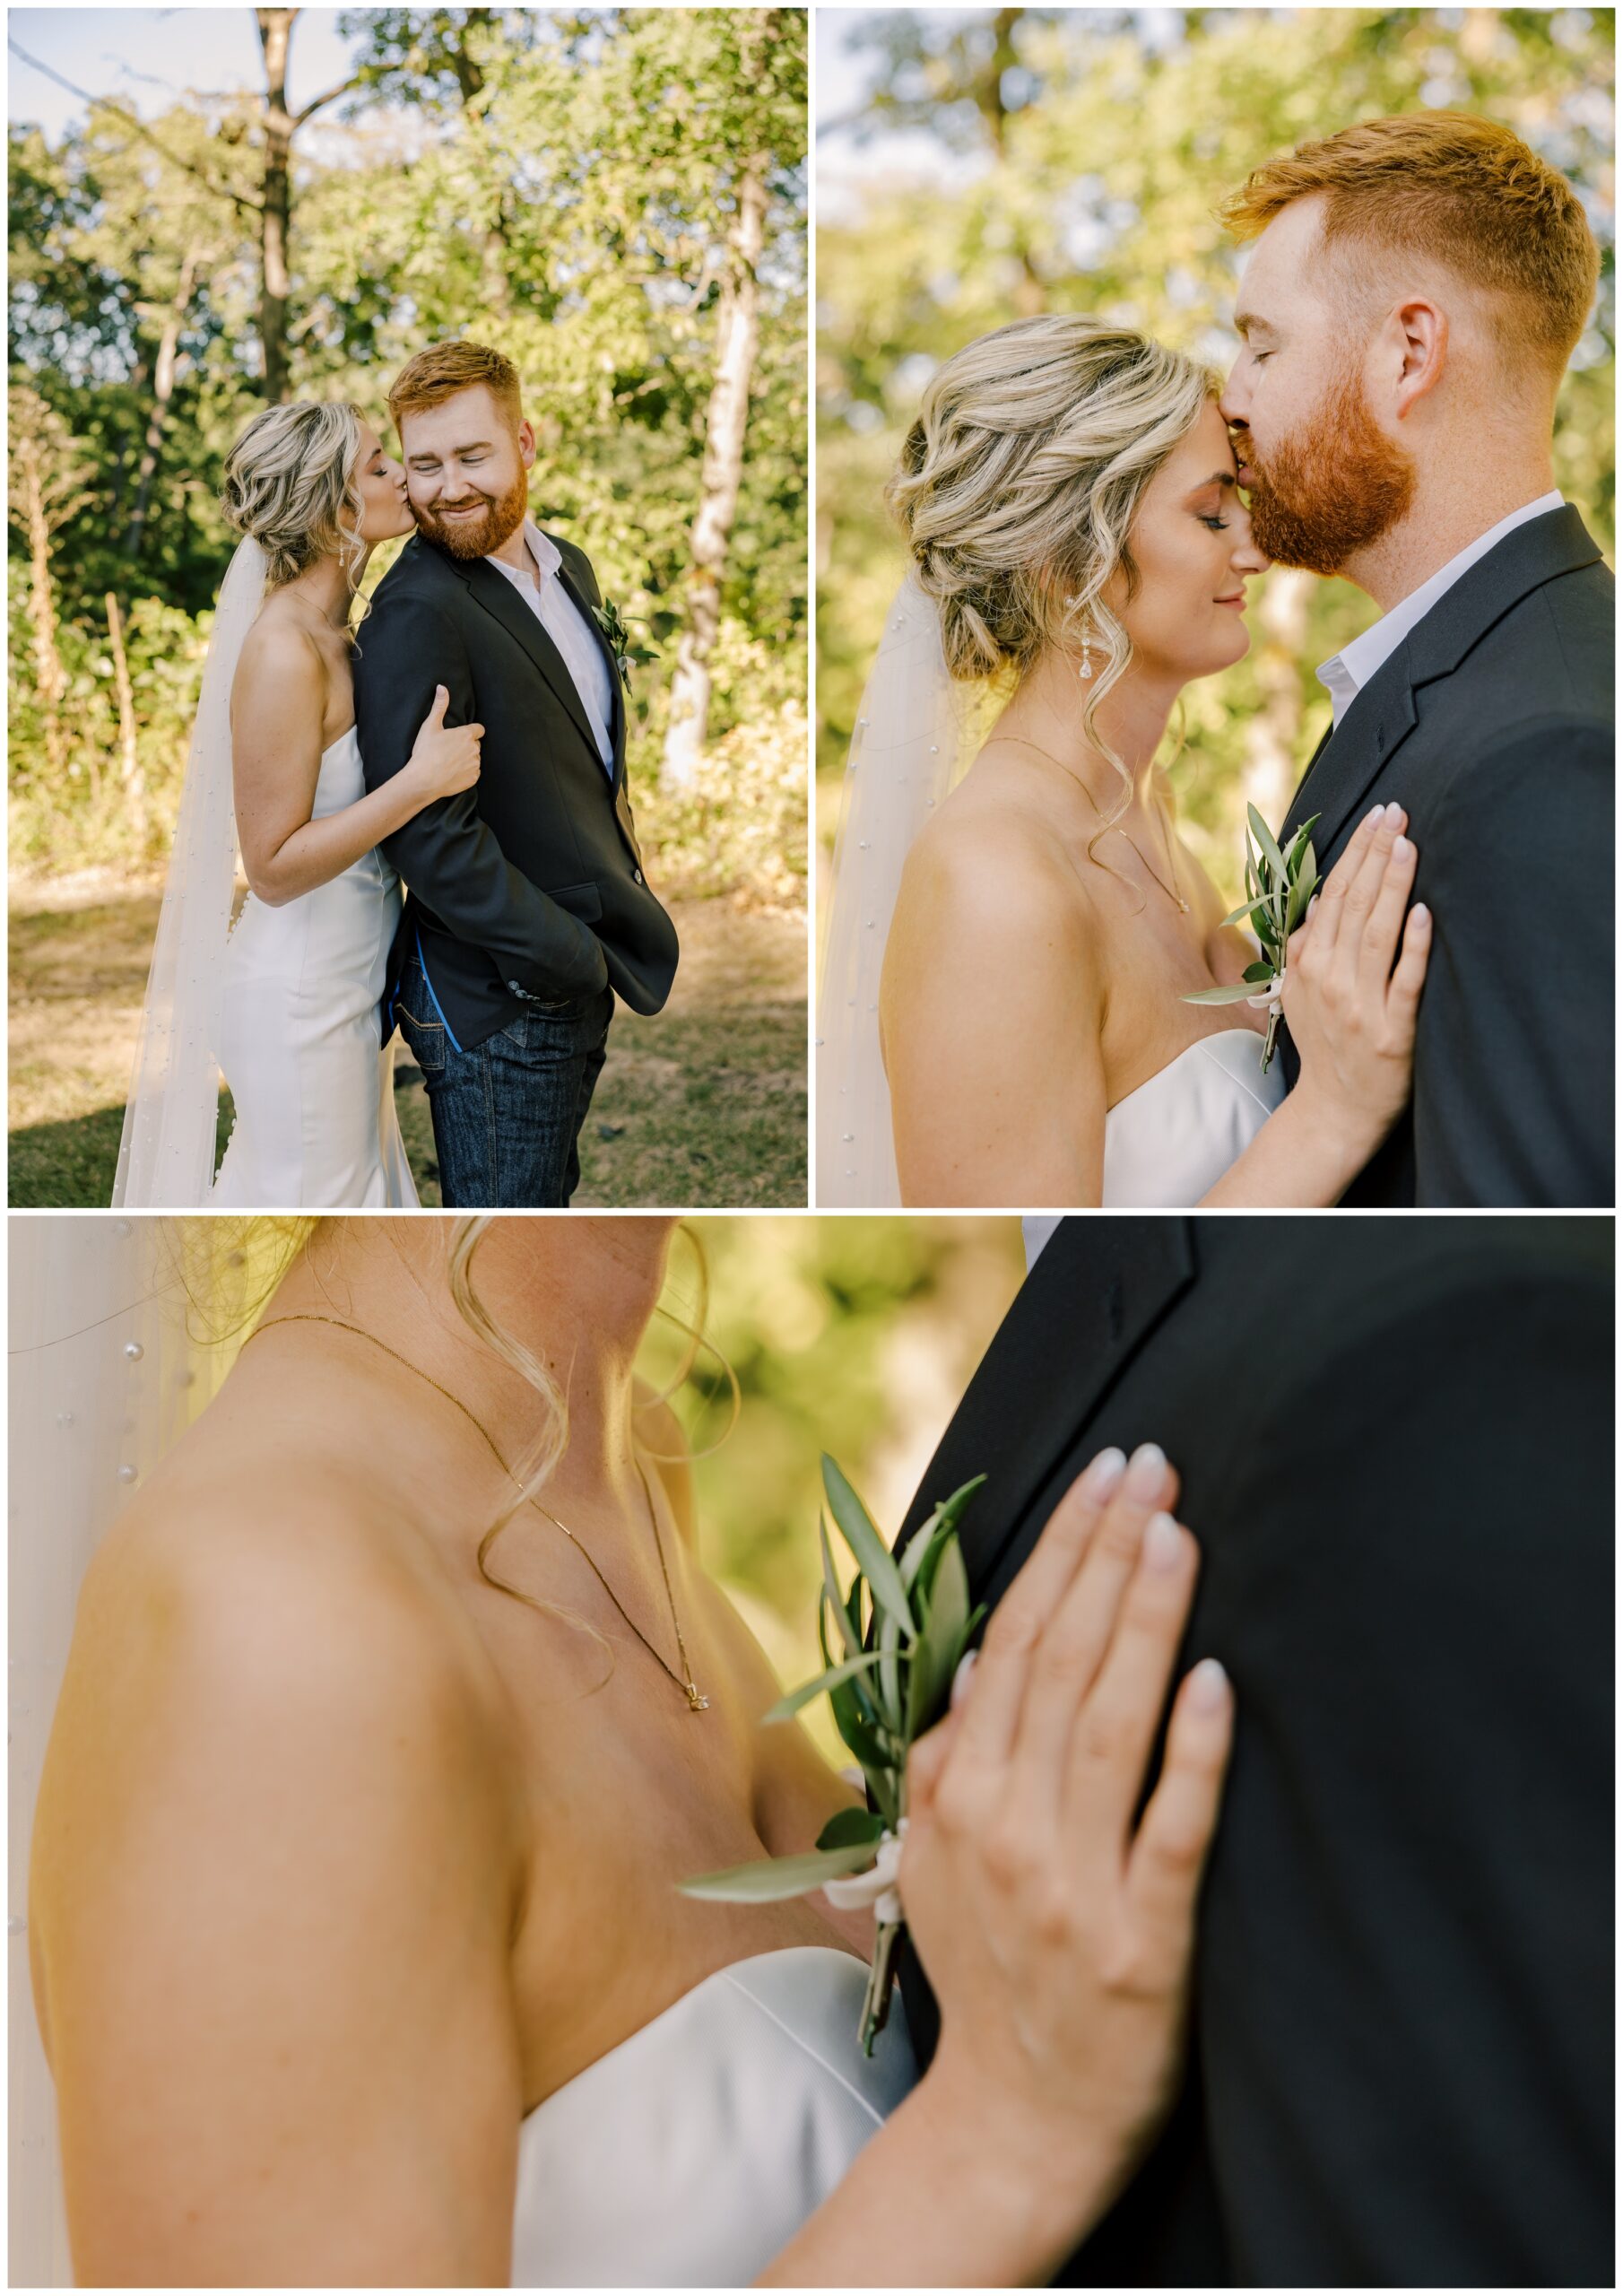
(1396, 1444)
(528, 908)
(1416, 288)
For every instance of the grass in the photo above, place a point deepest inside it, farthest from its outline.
(703, 1106)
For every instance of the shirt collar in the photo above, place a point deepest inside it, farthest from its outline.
(1345, 675)
(547, 555)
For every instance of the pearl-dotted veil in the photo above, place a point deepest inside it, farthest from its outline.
(166, 1158)
(114, 1350)
(916, 731)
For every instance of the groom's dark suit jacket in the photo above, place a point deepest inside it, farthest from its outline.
(1396, 1444)
(1492, 722)
(529, 885)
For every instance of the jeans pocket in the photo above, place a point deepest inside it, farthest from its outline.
(425, 1040)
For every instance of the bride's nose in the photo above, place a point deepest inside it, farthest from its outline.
(1245, 557)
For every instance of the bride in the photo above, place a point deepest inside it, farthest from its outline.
(289, 1003)
(1002, 1019)
(356, 1946)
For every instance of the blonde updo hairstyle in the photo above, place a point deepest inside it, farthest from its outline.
(289, 483)
(1018, 487)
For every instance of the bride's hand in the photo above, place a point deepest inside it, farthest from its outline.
(1055, 1933)
(1352, 1015)
(444, 759)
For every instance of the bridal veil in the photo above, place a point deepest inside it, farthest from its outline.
(166, 1157)
(915, 732)
(109, 1364)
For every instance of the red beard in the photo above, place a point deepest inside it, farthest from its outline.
(468, 538)
(1332, 489)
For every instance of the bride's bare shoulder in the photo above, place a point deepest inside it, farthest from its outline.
(987, 864)
(248, 1578)
(280, 665)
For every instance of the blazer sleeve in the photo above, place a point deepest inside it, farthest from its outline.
(447, 853)
(1513, 1090)
(1404, 1973)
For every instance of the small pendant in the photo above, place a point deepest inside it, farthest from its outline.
(695, 1701)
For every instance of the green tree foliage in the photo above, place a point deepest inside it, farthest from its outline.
(1073, 162)
(854, 1336)
(557, 184)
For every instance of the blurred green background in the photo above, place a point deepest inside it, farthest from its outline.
(975, 167)
(213, 208)
(854, 1336)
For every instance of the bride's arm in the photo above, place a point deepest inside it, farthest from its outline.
(1352, 1019)
(272, 1881)
(278, 705)
(992, 1016)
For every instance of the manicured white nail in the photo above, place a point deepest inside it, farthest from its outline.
(1162, 1543)
(1208, 1686)
(1420, 914)
(1400, 848)
(1145, 1469)
(1394, 811)
(960, 1679)
(1371, 818)
(1104, 1473)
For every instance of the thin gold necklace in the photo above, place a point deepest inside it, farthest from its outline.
(684, 1681)
(1170, 890)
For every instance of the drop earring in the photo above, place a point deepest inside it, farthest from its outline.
(1086, 670)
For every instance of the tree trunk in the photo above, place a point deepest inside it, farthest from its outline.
(132, 780)
(163, 386)
(49, 677)
(737, 336)
(1274, 762)
(276, 210)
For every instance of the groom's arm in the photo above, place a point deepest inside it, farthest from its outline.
(1513, 1092)
(1404, 1980)
(447, 853)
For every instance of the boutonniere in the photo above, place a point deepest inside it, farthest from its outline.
(901, 1632)
(611, 623)
(1278, 886)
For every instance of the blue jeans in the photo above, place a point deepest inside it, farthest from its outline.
(507, 1113)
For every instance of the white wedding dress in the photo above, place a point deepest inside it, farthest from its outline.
(1171, 1140)
(689, 2156)
(298, 1036)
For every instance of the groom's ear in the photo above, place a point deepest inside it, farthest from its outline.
(1421, 330)
(526, 444)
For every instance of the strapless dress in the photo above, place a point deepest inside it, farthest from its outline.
(1172, 1139)
(311, 1085)
(691, 2155)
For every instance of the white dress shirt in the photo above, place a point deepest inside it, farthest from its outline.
(567, 627)
(1346, 674)
(1037, 1227)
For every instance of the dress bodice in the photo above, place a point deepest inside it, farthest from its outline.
(341, 781)
(1171, 1140)
(691, 2155)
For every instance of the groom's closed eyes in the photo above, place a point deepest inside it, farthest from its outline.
(475, 453)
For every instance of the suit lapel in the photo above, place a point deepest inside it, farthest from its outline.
(1347, 762)
(499, 599)
(617, 720)
(1099, 1289)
